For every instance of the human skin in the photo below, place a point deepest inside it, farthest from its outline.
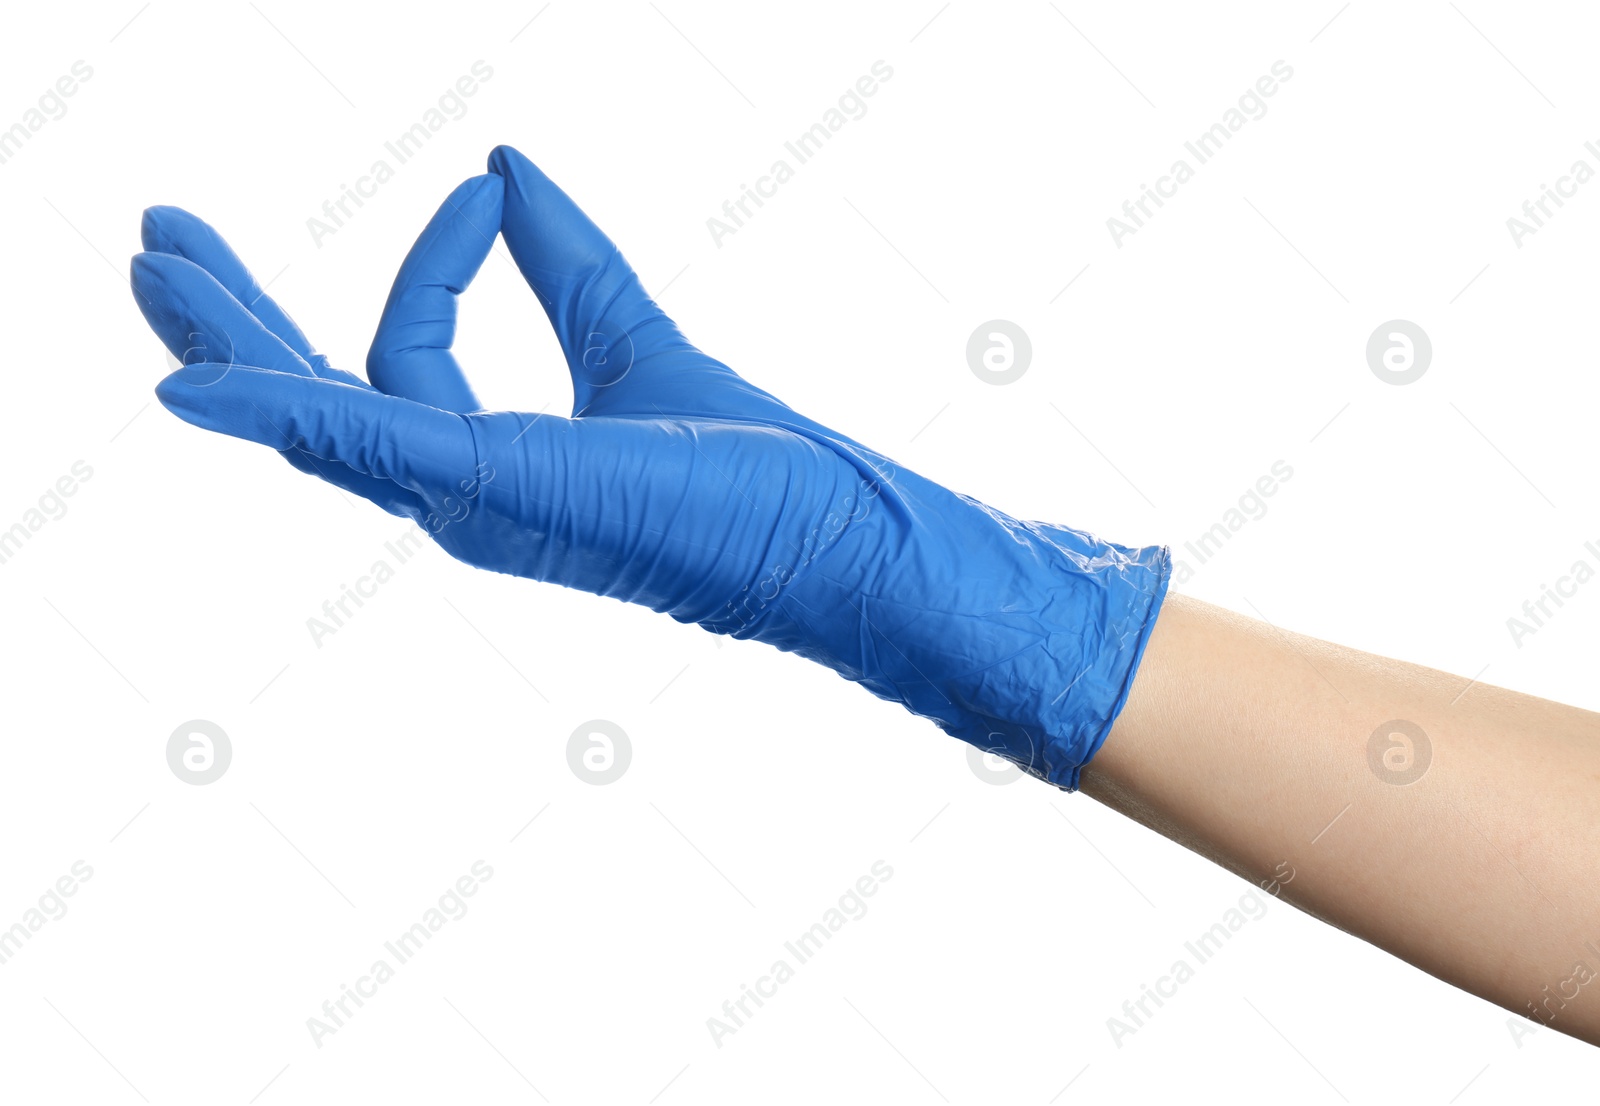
(1250, 745)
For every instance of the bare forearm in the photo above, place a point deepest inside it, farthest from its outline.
(1251, 746)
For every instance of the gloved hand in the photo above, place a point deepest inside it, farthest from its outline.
(675, 483)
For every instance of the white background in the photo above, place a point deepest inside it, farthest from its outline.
(368, 774)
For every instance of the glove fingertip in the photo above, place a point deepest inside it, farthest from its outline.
(184, 392)
(163, 226)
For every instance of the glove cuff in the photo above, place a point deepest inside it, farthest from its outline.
(1135, 585)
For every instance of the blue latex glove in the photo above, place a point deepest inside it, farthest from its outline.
(676, 483)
